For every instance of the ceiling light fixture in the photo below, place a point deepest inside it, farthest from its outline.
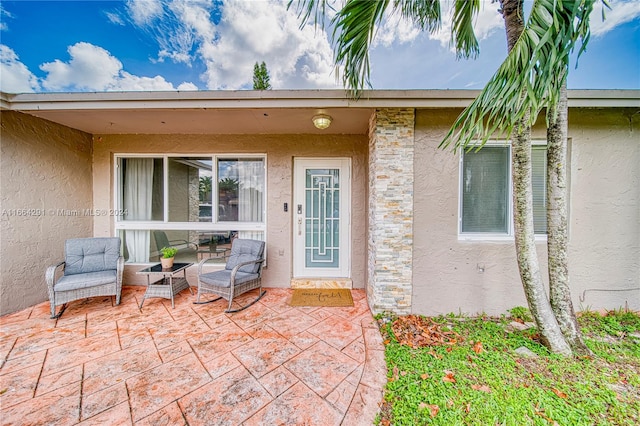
(321, 121)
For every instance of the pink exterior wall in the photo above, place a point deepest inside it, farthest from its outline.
(45, 187)
(280, 151)
(452, 275)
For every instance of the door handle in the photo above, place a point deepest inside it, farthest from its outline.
(299, 226)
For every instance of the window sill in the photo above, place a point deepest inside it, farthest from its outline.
(495, 238)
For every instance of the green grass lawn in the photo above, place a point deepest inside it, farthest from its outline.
(470, 373)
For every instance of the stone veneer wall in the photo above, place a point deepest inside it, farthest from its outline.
(391, 151)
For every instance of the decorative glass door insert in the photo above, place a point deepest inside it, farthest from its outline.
(321, 218)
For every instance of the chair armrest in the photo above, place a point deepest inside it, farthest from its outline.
(203, 261)
(187, 243)
(120, 268)
(50, 275)
(234, 271)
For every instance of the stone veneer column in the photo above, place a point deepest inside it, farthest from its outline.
(391, 150)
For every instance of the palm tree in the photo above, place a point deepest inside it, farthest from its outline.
(529, 80)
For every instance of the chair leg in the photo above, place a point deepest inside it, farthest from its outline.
(230, 311)
(53, 311)
(198, 302)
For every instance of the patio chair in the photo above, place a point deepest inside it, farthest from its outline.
(186, 249)
(92, 267)
(242, 273)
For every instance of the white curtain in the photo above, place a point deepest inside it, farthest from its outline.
(251, 195)
(138, 193)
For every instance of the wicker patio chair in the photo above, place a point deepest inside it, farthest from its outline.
(92, 267)
(186, 249)
(242, 273)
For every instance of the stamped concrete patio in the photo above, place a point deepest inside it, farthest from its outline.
(271, 364)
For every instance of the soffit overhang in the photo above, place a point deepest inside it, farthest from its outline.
(252, 112)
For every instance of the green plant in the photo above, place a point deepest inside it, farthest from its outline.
(168, 252)
(479, 378)
(521, 313)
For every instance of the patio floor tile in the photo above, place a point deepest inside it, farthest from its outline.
(118, 415)
(322, 367)
(228, 400)
(102, 364)
(294, 408)
(262, 355)
(336, 331)
(155, 388)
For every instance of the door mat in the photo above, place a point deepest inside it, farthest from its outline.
(321, 297)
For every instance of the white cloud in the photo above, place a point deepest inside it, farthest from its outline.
(620, 13)
(114, 18)
(3, 18)
(92, 68)
(143, 12)
(15, 77)
(248, 32)
(258, 31)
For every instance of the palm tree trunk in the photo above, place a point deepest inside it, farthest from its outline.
(557, 229)
(512, 12)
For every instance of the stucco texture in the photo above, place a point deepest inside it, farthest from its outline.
(453, 275)
(45, 188)
(280, 151)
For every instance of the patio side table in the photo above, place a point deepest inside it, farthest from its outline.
(169, 285)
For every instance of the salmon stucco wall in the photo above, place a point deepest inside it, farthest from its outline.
(454, 275)
(280, 151)
(46, 198)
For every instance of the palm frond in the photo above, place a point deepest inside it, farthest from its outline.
(425, 14)
(310, 11)
(530, 77)
(462, 36)
(354, 28)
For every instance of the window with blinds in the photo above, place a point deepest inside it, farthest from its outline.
(485, 193)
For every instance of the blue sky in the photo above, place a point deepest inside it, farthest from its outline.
(53, 46)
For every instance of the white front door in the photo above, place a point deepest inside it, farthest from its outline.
(322, 218)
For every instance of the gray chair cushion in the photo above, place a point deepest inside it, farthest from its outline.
(80, 281)
(223, 278)
(244, 251)
(85, 255)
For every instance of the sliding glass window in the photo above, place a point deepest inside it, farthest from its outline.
(196, 203)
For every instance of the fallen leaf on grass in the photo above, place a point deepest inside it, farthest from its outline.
(477, 347)
(418, 332)
(481, 388)
(547, 418)
(560, 394)
(450, 403)
(449, 377)
(433, 408)
(424, 376)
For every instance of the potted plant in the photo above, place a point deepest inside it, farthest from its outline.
(168, 253)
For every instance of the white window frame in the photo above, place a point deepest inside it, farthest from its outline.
(165, 224)
(493, 236)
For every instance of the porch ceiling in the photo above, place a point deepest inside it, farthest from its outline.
(210, 121)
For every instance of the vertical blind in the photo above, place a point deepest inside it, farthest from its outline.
(485, 190)
(486, 183)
